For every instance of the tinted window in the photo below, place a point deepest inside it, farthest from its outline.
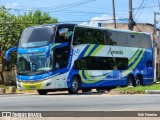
(101, 63)
(113, 37)
(145, 41)
(110, 38)
(139, 40)
(129, 40)
(133, 40)
(61, 57)
(122, 63)
(88, 36)
(64, 33)
(37, 36)
(122, 39)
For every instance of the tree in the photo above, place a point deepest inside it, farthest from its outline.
(11, 27)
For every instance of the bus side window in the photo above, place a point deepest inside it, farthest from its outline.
(122, 63)
(112, 37)
(88, 36)
(61, 57)
(64, 34)
(149, 63)
(107, 39)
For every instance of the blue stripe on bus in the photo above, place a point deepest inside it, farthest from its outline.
(83, 52)
(92, 50)
(135, 59)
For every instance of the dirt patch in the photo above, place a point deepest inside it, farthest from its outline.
(123, 92)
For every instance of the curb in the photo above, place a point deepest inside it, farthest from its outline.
(152, 91)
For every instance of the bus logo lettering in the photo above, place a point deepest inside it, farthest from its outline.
(114, 52)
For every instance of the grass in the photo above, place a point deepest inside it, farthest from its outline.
(17, 90)
(135, 90)
(118, 90)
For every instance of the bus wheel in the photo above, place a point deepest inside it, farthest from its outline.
(138, 81)
(75, 84)
(42, 92)
(130, 81)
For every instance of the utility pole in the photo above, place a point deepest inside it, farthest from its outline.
(131, 22)
(155, 24)
(155, 47)
(114, 15)
(154, 30)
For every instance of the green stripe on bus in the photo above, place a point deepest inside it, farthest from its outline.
(88, 50)
(91, 79)
(54, 46)
(82, 78)
(134, 57)
(133, 66)
(97, 50)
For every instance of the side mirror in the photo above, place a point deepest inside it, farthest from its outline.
(9, 51)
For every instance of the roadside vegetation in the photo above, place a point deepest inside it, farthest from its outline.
(134, 90)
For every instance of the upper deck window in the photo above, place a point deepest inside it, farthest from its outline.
(37, 36)
(88, 36)
(125, 39)
(64, 33)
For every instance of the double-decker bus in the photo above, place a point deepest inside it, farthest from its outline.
(74, 57)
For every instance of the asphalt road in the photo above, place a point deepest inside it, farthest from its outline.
(80, 102)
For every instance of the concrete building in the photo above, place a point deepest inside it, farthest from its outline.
(143, 27)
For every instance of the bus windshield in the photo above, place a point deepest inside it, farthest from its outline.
(37, 36)
(33, 63)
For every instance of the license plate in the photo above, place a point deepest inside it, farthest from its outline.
(33, 87)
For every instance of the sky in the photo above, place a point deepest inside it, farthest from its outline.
(88, 12)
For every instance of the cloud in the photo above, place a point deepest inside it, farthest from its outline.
(11, 5)
(99, 19)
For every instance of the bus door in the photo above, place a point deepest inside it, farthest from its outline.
(61, 55)
(61, 58)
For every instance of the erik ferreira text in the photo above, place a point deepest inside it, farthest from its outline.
(147, 114)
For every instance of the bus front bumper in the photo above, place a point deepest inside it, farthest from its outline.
(36, 85)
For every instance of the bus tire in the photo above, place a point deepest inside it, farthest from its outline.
(138, 81)
(42, 92)
(130, 81)
(75, 85)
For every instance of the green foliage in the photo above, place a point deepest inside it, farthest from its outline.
(139, 89)
(11, 27)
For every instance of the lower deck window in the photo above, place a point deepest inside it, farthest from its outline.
(101, 63)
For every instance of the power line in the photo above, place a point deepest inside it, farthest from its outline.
(123, 19)
(139, 7)
(60, 7)
(81, 12)
(146, 7)
(141, 10)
